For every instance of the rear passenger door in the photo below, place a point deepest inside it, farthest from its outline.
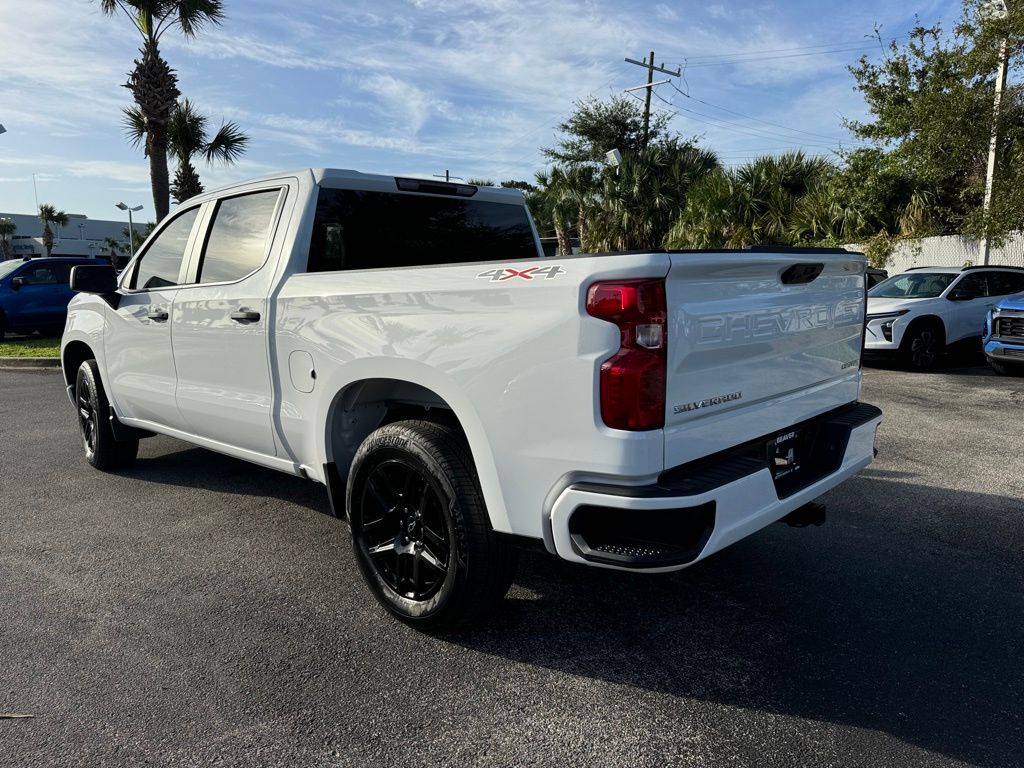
(221, 319)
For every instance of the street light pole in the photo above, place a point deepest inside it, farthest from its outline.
(131, 226)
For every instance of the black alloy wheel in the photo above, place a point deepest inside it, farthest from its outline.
(421, 534)
(405, 531)
(102, 450)
(923, 346)
(87, 407)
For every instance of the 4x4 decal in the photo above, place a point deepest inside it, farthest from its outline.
(500, 275)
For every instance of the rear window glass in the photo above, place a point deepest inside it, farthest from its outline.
(237, 243)
(366, 230)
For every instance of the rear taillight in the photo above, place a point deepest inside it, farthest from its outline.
(633, 379)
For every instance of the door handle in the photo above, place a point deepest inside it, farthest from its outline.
(158, 315)
(245, 316)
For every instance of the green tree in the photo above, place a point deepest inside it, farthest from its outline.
(152, 82)
(641, 199)
(753, 204)
(552, 209)
(48, 214)
(7, 230)
(931, 116)
(597, 126)
(188, 136)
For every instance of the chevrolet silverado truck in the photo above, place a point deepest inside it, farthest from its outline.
(405, 343)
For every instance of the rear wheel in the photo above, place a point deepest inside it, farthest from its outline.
(420, 530)
(922, 346)
(102, 450)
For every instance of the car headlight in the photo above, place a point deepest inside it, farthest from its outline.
(892, 315)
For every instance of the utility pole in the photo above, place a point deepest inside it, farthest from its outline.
(993, 10)
(648, 64)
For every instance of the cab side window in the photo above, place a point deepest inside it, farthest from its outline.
(1005, 283)
(160, 264)
(39, 274)
(237, 243)
(976, 285)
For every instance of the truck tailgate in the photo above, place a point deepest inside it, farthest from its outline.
(758, 341)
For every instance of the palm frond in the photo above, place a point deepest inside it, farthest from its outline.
(186, 131)
(134, 125)
(227, 146)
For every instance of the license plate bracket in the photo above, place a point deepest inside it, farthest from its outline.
(785, 453)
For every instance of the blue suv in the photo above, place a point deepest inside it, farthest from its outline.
(34, 293)
(1004, 336)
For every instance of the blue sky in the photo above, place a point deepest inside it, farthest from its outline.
(421, 86)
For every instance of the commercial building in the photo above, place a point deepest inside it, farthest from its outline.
(81, 236)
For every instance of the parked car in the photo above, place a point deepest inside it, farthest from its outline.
(405, 343)
(918, 314)
(875, 276)
(34, 293)
(1004, 336)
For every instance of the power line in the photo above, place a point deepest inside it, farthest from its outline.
(740, 59)
(751, 117)
(731, 125)
(784, 50)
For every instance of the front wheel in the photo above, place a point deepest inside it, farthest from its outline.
(922, 346)
(420, 531)
(102, 450)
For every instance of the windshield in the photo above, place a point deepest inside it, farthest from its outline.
(6, 267)
(913, 285)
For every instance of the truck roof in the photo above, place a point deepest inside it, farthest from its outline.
(346, 177)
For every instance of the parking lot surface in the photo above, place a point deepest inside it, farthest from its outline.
(197, 610)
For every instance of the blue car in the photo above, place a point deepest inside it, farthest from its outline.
(1004, 336)
(34, 293)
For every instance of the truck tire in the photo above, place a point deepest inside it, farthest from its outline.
(420, 531)
(923, 345)
(102, 450)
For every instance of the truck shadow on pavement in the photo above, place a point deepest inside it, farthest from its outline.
(902, 615)
(902, 621)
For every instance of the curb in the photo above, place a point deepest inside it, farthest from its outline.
(30, 362)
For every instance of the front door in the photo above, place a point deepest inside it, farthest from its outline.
(967, 316)
(137, 341)
(220, 323)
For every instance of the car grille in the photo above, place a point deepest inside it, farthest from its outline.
(1010, 328)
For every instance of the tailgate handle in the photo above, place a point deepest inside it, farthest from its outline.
(801, 274)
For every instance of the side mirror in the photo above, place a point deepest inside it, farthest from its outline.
(16, 283)
(959, 294)
(93, 278)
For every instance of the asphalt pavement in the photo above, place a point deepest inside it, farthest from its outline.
(197, 610)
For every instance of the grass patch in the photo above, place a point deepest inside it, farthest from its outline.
(30, 348)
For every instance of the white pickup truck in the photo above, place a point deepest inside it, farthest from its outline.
(405, 343)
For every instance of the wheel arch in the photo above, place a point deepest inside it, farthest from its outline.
(360, 406)
(72, 356)
(917, 322)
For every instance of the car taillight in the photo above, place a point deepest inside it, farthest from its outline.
(633, 379)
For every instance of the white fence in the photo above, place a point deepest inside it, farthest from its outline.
(952, 251)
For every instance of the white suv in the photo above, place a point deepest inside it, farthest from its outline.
(917, 314)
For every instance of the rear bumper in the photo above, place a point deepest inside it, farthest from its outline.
(700, 508)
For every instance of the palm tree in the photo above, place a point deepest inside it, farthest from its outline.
(552, 208)
(154, 85)
(50, 215)
(7, 229)
(760, 203)
(187, 136)
(645, 195)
